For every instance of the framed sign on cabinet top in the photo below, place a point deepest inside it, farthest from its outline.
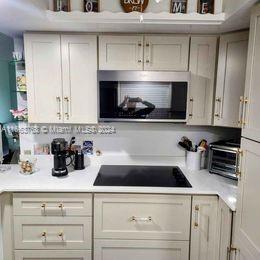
(134, 5)
(206, 6)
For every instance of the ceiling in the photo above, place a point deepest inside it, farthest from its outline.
(18, 16)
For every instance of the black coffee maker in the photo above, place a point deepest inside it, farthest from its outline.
(59, 148)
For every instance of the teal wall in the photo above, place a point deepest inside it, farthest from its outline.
(6, 49)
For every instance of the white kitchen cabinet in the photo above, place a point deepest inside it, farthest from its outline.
(124, 52)
(52, 204)
(140, 250)
(44, 79)
(133, 216)
(204, 228)
(247, 235)
(79, 73)
(164, 52)
(231, 75)
(202, 67)
(6, 227)
(53, 233)
(251, 127)
(61, 78)
(52, 255)
(225, 220)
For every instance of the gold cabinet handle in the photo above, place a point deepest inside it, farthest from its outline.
(239, 164)
(148, 56)
(232, 250)
(66, 99)
(60, 235)
(61, 207)
(140, 52)
(191, 107)
(240, 116)
(245, 104)
(218, 100)
(196, 222)
(45, 208)
(58, 99)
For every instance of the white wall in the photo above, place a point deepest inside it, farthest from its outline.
(232, 6)
(139, 138)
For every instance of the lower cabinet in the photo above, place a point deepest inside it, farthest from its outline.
(247, 235)
(125, 227)
(53, 232)
(135, 226)
(204, 228)
(52, 255)
(225, 221)
(135, 216)
(140, 250)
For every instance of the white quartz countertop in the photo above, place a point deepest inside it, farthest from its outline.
(203, 183)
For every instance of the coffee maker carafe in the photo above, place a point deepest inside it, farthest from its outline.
(59, 148)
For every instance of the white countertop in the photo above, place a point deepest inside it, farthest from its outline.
(202, 183)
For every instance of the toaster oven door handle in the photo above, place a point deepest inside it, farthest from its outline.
(223, 150)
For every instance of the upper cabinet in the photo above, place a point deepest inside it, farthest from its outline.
(131, 52)
(231, 79)
(166, 52)
(202, 67)
(251, 120)
(124, 52)
(61, 78)
(44, 80)
(79, 73)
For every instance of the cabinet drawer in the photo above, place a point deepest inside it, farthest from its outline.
(52, 232)
(140, 250)
(142, 216)
(52, 204)
(52, 255)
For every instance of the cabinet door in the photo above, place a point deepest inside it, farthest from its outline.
(119, 216)
(52, 204)
(166, 53)
(52, 233)
(202, 68)
(204, 228)
(247, 235)
(140, 250)
(52, 255)
(225, 229)
(231, 79)
(79, 70)
(44, 79)
(124, 52)
(252, 92)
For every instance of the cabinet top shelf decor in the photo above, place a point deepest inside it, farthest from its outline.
(134, 5)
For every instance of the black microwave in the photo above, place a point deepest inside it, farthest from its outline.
(143, 96)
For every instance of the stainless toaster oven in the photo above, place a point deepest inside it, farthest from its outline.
(224, 158)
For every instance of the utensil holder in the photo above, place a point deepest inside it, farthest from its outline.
(193, 160)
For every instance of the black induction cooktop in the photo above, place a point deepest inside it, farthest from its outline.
(141, 176)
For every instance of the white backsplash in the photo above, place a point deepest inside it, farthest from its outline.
(138, 139)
